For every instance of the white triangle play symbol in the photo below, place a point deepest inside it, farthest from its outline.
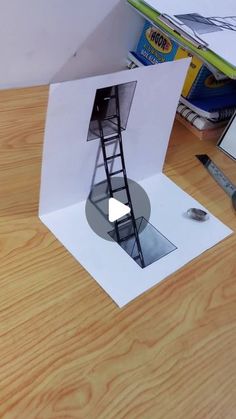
(116, 210)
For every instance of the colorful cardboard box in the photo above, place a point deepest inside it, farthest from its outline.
(155, 47)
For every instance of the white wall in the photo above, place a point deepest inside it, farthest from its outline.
(43, 41)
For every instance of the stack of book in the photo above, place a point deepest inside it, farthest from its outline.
(206, 118)
(208, 97)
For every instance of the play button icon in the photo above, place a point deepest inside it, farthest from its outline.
(102, 210)
(116, 210)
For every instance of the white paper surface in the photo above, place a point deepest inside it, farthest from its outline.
(45, 41)
(68, 167)
(204, 7)
(221, 43)
(111, 266)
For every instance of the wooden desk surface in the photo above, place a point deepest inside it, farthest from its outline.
(66, 350)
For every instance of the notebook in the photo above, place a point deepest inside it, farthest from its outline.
(200, 126)
(217, 108)
(209, 24)
(214, 108)
(196, 120)
(206, 55)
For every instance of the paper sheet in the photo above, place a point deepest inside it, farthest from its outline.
(110, 265)
(220, 42)
(45, 41)
(68, 167)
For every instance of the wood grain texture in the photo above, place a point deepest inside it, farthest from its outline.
(66, 350)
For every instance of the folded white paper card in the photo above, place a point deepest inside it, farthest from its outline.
(68, 172)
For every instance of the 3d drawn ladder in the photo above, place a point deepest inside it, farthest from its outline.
(105, 141)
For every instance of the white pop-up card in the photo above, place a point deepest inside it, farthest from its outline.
(106, 137)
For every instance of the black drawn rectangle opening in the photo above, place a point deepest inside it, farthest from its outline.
(154, 245)
(104, 109)
(199, 24)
